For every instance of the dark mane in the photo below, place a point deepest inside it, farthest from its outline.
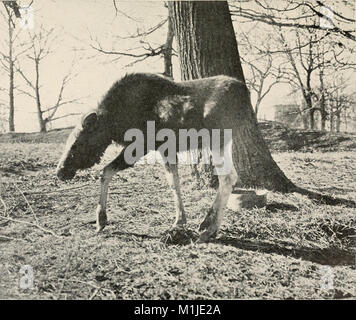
(138, 76)
(137, 85)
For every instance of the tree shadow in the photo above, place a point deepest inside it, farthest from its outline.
(325, 199)
(327, 256)
(275, 206)
(335, 189)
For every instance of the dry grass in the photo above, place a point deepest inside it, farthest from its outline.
(275, 252)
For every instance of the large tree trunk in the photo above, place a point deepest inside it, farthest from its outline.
(11, 78)
(207, 47)
(206, 39)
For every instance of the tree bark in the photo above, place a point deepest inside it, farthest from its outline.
(207, 47)
(338, 121)
(168, 70)
(323, 112)
(332, 120)
(303, 115)
(308, 98)
(206, 40)
(323, 120)
(11, 78)
(42, 123)
(312, 119)
(257, 106)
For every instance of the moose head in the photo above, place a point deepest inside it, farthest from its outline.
(85, 146)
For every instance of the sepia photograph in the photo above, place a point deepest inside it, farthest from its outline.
(183, 152)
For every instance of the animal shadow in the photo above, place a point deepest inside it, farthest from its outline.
(327, 256)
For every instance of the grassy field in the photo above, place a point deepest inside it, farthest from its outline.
(282, 251)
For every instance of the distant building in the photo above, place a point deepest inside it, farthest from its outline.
(288, 114)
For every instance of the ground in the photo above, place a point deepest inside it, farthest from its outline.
(291, 249)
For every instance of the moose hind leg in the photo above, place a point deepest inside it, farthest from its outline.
(212, 222)
(173, 180)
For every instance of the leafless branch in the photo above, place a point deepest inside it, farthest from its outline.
(121, 12)
(27, 80)
(295, 14)
(66, 115)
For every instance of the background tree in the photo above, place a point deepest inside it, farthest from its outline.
(299, 14)
(262, 69)
(9, 57)
(340, 102)
(302, 66)
(142, 47)
(41, 46)
(316, 42)
(314, 59)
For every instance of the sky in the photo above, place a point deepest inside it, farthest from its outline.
(78, 24)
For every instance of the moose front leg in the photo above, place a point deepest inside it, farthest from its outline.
(109, 171)
(173, 181)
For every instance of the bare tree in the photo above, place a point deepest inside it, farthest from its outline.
(314, 59)
(301, 14)
(263, 69)
(41, 46)
(303, 65)
(14, 49)
(339, 101)
(145, 49)
(315, 40)
(8, 60)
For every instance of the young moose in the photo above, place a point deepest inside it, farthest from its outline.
(213, 102)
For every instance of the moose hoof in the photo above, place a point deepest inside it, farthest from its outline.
(178, 225)
(210, 220)
(204, 225)
(206, 236)
(100, 228)
(101, 219)
(101, 224)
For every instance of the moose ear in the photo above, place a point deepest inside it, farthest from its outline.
(90, 120)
